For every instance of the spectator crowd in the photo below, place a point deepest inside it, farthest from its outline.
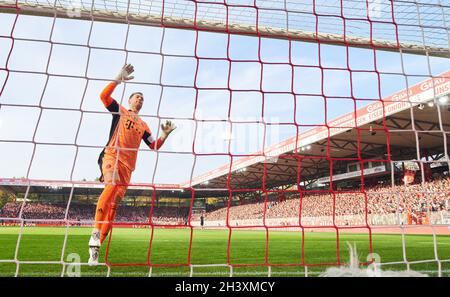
(86, 212)
(432, 196)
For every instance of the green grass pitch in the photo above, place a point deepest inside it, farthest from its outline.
(170, 246)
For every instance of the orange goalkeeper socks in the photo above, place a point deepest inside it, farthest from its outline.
(105, 200)
(104, 231)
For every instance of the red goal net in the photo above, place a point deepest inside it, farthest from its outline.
(313, 123)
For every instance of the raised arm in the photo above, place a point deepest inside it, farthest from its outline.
(123, 75)
(105, 95)
(166, 129)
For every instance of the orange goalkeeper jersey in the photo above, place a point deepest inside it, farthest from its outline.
(127, 131)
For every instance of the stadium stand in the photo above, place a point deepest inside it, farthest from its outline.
(80, 212)
(433, 196)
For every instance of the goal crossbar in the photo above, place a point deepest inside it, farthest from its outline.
(125, 15)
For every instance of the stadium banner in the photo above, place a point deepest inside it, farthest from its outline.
(386, 223)
(347, 175)
(57, 185)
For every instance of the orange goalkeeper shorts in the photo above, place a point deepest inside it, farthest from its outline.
(117, 173)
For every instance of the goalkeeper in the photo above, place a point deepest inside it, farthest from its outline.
(118, 159)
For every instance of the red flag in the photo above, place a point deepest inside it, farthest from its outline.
(427, 171)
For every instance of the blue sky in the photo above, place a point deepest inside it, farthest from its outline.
(70, 101)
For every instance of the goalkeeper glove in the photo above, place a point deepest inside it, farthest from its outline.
(124, 73)
(167, 128)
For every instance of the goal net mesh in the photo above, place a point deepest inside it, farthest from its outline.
(331, 117)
